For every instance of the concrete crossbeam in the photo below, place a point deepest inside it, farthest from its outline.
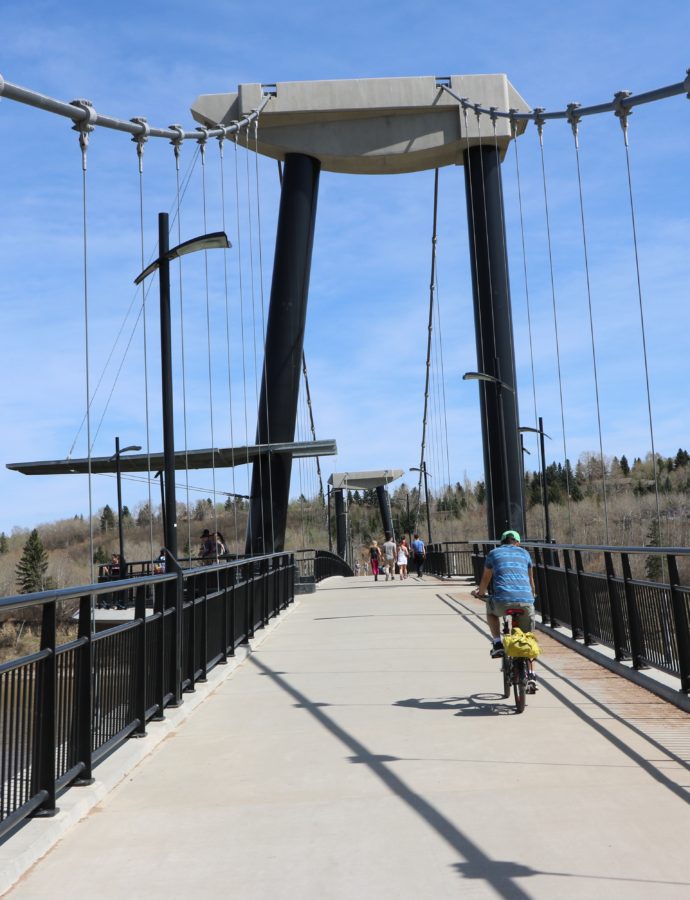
(370, 126)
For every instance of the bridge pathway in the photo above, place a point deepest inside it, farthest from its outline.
(364, 751)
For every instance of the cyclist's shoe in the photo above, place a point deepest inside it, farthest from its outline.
(531, 683)
(497, 651)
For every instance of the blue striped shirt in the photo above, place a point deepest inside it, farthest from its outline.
(510, 565)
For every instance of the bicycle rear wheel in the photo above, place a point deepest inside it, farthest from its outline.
(520, 684)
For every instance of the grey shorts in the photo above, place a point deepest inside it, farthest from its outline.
(525, 621)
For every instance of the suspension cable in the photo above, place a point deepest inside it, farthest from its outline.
(540, 130)
(263, 310)
(627, 103)
(250, 231)
(524, 270)
(140, 140)
(430, 328)
(134, 127)
(85, 128)
(203, 138)
(242, 335)
(489, 487)
(622, 113)
(177, 145)
(227, 343)
(311, 423)
(574, 123)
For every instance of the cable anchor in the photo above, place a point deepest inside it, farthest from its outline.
(540, 121)
(512, 116)
(574, 118)
(84, 126)
(622, 111)
(201, 141)
(141, 138)
(177, 143)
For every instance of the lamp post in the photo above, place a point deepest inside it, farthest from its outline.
(173, 590)
(116, 457)
(422, 468)
(216, 239)
(500, 385)
(544, 490)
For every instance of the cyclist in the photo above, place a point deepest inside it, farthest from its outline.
(510, 567)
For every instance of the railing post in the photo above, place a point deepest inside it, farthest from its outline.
(232, 620)
(636, 636)
(572, 605)
(203, 661)
(225, 574)
(543, 592)
(140, 689)
(584, 607)
(616, 623)
(680, 621)
(249, 582)
(46, 714)
(263, 571)
(177, 650)
(159, 591)
(85, 692)
(548, 561)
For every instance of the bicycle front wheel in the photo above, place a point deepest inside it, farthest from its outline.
(520, 684)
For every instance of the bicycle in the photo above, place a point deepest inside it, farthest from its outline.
(515, 669)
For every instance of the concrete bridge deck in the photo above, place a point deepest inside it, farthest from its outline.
(364, 751)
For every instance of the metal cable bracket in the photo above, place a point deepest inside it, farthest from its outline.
(85, 126)
(177, 143)
(201, 141)
(140, 139)
(622, 111)
(574, 118)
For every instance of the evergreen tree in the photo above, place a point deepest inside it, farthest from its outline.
(480, 492)
(682, 458)
(100, 557)
(107, 519)
(126, 516)
(4, 546)
(32, 566)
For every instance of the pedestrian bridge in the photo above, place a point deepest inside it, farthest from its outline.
(360, 747)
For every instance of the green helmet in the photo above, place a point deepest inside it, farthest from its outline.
(510, 534)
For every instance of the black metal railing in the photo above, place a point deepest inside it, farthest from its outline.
(315, 565)
(593, 592)
(66, 707)
(449, 558)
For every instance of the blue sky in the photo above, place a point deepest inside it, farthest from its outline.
(366, 332)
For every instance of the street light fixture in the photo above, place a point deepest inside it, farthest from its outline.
(216, 239)
(544, 492)
(500, 385)
(423, 469)
(116, 456)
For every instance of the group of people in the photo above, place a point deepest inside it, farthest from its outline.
(213, 547)
(395, 556)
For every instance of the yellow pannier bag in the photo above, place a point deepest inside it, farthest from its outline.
(521, 643)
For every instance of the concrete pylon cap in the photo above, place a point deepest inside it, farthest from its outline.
(364, 481)
(370, 126)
